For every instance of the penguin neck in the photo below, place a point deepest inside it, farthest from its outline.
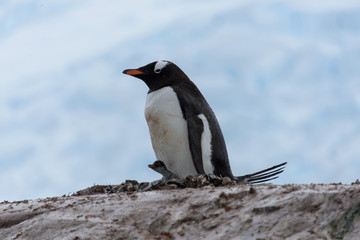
(169, 81)
(156, 85)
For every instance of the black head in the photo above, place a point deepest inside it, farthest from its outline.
(158, 74)
(157, 164)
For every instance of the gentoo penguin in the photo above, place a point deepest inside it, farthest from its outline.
(184, 131)
(160, 167)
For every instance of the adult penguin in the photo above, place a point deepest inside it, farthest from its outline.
(185, 133)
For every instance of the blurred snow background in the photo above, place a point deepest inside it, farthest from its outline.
(283, 78)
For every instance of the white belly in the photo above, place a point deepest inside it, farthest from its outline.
(168, 131)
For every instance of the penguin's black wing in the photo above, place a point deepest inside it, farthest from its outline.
(195, 130)
(190, 107)
(262, 176)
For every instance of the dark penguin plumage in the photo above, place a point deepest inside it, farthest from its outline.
(184, 131)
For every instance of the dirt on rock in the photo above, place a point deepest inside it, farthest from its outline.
(205, 211)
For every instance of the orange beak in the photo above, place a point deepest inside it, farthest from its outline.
(132, 72)
(151, 166)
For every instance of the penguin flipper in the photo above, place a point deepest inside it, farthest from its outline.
(262, 176)
(190, 108)
(195, 130)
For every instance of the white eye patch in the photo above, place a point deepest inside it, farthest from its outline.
(159, 66)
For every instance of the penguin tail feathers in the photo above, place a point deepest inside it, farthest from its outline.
(262, 176)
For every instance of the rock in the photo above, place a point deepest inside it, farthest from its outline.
(133, 186)
(134, 210)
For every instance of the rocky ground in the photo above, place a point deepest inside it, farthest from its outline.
(196, 208)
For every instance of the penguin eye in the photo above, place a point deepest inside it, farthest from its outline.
(159, 66)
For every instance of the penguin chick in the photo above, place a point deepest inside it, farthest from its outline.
(159, 166)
